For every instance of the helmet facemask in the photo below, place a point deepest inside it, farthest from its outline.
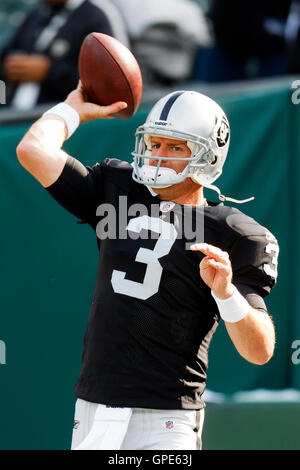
(161, 177)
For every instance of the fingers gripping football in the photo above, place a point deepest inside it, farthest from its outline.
(90, 111)
(215, 269)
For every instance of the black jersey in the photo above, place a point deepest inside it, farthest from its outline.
(152, 317)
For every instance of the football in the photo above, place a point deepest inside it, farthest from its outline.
(109, 72)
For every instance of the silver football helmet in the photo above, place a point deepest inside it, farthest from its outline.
(195, 119)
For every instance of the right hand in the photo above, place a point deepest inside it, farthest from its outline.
(90, 111)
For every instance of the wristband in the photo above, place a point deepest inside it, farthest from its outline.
(68, 114)
(233, 309)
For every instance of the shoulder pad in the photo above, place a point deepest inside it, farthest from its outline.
(244, 225)
(116, 163)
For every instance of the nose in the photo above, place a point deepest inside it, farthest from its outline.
(154, 162)
(159, 152)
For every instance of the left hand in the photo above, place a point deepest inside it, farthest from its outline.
(26, 67)
(215, 269)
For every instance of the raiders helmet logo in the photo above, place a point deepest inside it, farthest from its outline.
(223, 133)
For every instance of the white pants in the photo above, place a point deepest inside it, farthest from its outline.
(144, 429)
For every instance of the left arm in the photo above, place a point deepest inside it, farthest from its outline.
(253, 335)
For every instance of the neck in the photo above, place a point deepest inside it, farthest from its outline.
(186, 194)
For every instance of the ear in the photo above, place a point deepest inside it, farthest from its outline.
(147, 141)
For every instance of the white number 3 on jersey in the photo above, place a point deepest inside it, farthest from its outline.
(153, 273)
(272, 249)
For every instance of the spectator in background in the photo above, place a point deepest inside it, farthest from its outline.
(164, 36)
(292, 36)
(249, 40)
(39, 64)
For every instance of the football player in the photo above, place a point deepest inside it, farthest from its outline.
(161, 290)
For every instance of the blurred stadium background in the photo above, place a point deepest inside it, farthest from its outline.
(11, 15)
(47, 276)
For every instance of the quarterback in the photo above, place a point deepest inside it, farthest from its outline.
(157, 300)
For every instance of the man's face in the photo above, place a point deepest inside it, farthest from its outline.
(175, 149)
(170, 148)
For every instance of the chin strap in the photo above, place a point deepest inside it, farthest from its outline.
(225, 198)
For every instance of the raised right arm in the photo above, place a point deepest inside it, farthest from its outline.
(40, 151)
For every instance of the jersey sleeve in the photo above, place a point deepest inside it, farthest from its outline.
(78, 189)
(254, 261)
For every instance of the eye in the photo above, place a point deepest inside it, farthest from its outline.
(175, 148)
(155, 146)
